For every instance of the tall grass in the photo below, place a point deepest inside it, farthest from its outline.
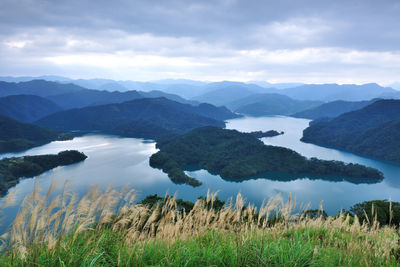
(109, 228)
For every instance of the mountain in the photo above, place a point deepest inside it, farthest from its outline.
(217, 113)
(220, 97)
(51, 78)
(275, 85)
(113, 86)
(146, 117)
(235, 156)
(332, 92)
(37, 87)
(17, 136)
(180, 81)
(270, 104)
(89, 97)
(69, 96)
(66, 95)
(332, 109)
(174, 97)
(26, 108)
(373, 131)
(395, 85)
(187, 91)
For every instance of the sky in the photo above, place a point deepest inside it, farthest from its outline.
(315, 41)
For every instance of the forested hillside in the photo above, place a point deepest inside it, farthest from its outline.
(147, 118)
(372, 131)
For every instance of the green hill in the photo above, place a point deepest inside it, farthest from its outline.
(372, 131)
(17, 136)
(146, 117)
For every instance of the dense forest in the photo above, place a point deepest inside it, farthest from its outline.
(11, 169)
(372, 131)
(17, 136)
(153, 118)
(261, 134)
(235, 155)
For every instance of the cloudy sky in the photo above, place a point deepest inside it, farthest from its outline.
(315, 41)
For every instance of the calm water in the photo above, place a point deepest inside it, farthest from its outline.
(121, 161)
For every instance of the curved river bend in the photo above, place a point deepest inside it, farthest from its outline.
(122, 161)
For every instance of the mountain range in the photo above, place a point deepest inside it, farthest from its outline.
(146, 117)
(68, 95)
(270, 104)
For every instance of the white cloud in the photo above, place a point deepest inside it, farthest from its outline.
(289, 41)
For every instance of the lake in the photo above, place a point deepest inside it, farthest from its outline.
(121, 161)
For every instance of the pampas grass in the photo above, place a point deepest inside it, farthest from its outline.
(47, 227)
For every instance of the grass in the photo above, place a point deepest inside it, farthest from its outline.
(109, 229)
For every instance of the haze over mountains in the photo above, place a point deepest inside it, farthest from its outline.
(245, 98)
(26, 108)
(270, 104)
(332, 109)
(195, 89)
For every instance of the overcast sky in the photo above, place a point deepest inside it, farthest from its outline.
(278, 41)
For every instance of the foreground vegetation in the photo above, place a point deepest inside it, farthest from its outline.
(235, 155)
(12, 169)
(109, 229)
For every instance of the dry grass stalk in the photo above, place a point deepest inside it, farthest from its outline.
(44, 220)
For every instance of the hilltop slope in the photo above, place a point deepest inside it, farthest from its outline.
(373, 131)
(17, 136)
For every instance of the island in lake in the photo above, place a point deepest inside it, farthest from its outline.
(11, 169)
(235, 155)
(270, 133)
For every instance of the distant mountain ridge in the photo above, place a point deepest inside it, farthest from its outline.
(332, 109)
(221, 96)
(69, 95)
(145, 117)
(191, 89)
(270, 104)
(373, 131)
(332, 92)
